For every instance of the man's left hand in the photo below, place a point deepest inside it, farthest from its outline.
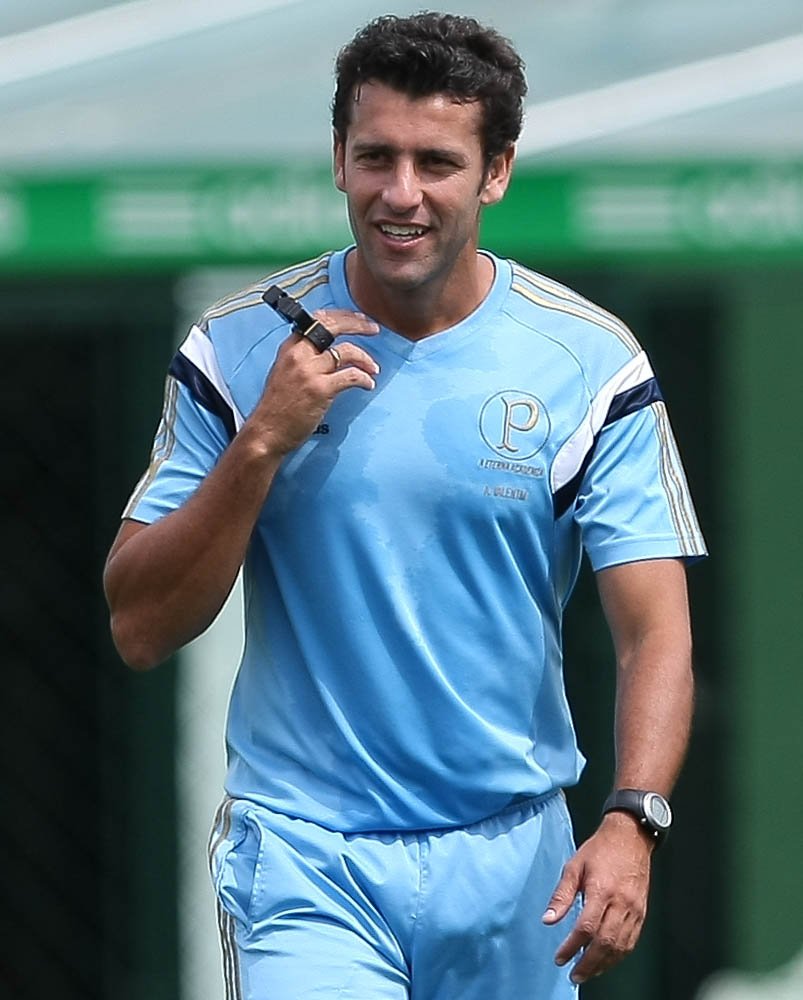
(612, 871)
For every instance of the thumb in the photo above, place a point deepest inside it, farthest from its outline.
(563, 896)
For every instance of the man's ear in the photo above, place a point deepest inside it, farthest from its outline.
(497, 177)
(339, 161)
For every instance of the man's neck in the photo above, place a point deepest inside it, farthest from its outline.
(425, 310)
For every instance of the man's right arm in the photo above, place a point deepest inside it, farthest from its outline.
(165, 582)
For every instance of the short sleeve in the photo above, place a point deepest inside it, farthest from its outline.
(633, 501)
(188, 443)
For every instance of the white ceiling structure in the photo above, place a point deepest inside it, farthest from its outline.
(85, 83)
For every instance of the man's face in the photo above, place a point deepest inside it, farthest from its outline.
(415, 179)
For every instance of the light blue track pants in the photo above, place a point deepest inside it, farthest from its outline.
(307, 913)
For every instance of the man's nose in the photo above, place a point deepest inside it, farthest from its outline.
(402, 192)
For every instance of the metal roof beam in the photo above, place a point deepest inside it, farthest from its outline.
(114, 30)
(654, 97)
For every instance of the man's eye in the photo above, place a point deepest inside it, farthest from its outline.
(438, 162)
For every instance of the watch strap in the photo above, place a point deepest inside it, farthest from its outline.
(632, 800)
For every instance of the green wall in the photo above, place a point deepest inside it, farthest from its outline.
(760, 501)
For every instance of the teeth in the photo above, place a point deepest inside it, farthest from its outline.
(402, 230)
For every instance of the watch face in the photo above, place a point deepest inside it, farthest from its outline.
(657, 810)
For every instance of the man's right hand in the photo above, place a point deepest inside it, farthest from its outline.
(303, 382)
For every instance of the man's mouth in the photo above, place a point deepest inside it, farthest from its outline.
(402, 233)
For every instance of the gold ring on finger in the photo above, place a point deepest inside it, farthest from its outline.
(335, 356)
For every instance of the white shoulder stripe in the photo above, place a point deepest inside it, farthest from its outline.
(198, 349)
(569, 295)
(570, 457)
(250, 296)
(563, 299)
(163, 444)
(676, 488)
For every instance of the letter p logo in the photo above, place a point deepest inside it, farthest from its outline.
(520, 415)
(514, 424)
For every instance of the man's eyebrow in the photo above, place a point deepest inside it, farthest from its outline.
(366, 146)
(372, 147)
(442, 153)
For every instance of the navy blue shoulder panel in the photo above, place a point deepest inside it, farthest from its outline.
(203, 391)
(622, 405)
(630, 400)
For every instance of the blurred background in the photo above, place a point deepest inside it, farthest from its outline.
(157, 154)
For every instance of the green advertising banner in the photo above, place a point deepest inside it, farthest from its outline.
(163, 217)
(678, 211)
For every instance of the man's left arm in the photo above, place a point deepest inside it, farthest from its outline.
(646, 606)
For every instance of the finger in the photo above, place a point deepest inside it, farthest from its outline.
(350, 378)
(564, 895)
(328, 331)
(582, 934)
(634, 932)
(608, 946)
(340, 321)
(334, 354)
(345, 354)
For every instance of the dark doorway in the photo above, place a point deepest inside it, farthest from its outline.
(85, 750)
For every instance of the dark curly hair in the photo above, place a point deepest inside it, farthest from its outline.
(431, 53)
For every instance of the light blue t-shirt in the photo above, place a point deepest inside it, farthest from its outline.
(406, 579)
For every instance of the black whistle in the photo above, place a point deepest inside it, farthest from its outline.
(303, 323)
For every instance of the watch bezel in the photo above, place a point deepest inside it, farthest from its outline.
(650, 815)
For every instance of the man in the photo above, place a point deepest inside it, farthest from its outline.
(410, 506)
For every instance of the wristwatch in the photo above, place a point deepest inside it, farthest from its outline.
(651, 809)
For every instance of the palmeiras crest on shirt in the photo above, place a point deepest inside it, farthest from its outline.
(514, 424)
